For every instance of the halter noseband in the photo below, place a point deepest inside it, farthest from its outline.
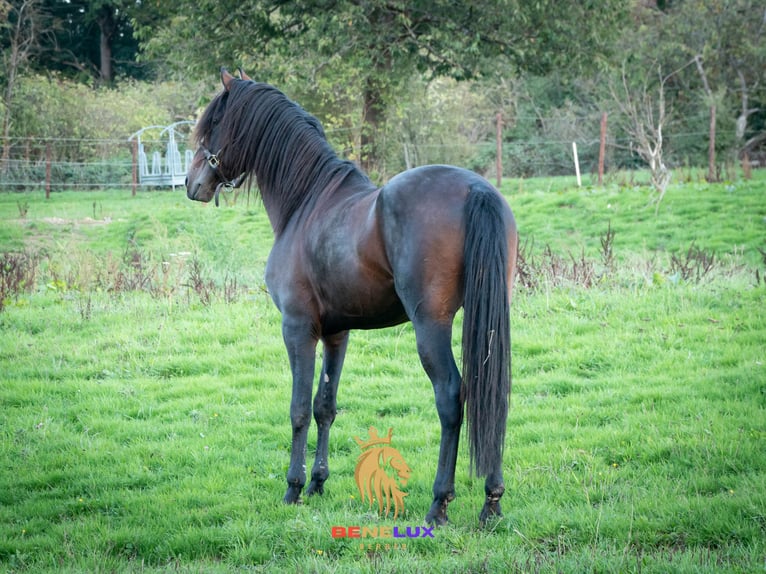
(226, 185)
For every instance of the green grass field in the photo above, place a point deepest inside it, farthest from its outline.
(144, 394)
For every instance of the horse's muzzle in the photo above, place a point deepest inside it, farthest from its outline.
(193, 189)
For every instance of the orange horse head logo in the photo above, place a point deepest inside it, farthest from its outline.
(377, 469)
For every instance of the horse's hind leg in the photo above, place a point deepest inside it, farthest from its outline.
(435, 352)
(493, 489)
(325, 406)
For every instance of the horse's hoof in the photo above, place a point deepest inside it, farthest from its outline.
(315, 487)
(437, 519)
(437, 515)
(293, 495)
(491, 509)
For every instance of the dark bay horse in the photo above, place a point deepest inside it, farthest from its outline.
(348, 255)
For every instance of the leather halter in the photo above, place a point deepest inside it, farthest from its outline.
(225, 185)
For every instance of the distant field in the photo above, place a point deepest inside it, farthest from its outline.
(144, 393)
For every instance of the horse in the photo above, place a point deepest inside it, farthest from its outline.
(348, 254)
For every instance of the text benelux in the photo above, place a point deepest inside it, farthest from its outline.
(382, 532)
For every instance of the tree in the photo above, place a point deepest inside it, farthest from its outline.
(726, 39)
(647, 117)
(382, 43)
(730, 60)
(21, 29)
(93, 38)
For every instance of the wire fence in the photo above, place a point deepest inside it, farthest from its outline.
(59, 164)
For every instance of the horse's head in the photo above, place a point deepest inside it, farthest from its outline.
(208, 174)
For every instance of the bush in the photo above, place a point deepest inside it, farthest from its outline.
(54, 108)
(18, 272)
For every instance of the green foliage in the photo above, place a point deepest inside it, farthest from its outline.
(149, 431)
(71, 44)
(441, 38)
(59, 108)
(429, 124)
(376, 74)
(727, 44)
(84, 131)
(377, 47)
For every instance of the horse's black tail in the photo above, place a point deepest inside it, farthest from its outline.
(486, 327)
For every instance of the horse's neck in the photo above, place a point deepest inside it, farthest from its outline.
(301, 205)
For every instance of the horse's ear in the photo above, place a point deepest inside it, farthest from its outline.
(226, 78)
(243, 75)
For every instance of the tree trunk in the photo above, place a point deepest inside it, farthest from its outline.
(377, 86)
(373, 117)
(23, 38)
(742, 125)
(7, 104)
(107, 27)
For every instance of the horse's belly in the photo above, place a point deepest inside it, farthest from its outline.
(370, 312)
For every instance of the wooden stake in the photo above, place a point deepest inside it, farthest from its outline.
(577, 164)
(602, 150)
(499, 150)
(47, 170)
(711, 177)
(134, 148)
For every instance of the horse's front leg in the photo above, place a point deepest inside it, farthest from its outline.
(325, 406)
(301, 349)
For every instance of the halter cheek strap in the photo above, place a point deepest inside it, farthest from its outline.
(226, 185)
(212, 158)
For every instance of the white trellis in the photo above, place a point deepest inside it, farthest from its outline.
(167, 170)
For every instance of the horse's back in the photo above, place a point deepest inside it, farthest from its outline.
(422, 214)
(434, 195)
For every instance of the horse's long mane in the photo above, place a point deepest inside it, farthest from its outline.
(261, 131)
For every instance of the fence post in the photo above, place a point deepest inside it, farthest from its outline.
(602, 149)
(577, 164)
(47, 170)
(499, 149)
(711, 177)
(134, 148)
(746, 168)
